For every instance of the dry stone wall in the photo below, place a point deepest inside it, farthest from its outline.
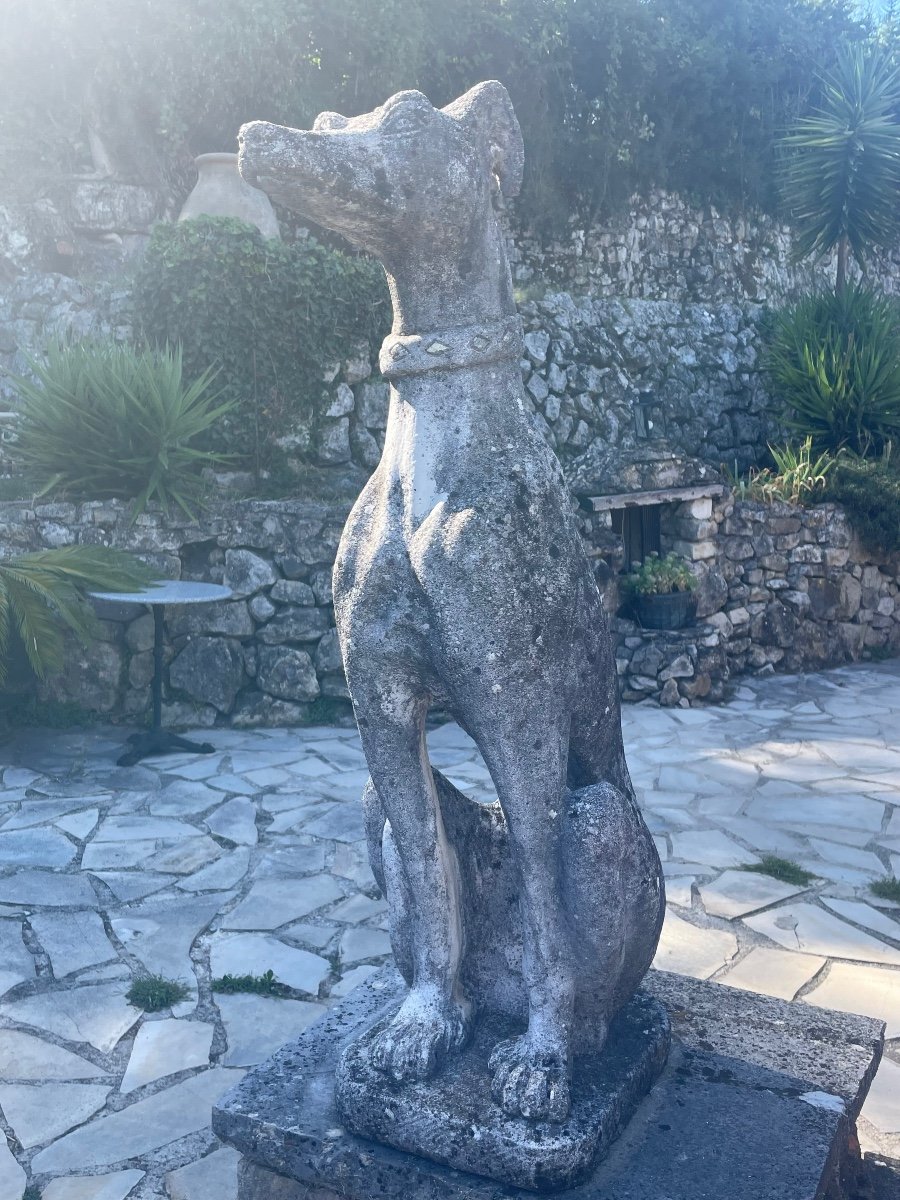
(644, 330)
(261, 658)
(781, 588)
(664, 248)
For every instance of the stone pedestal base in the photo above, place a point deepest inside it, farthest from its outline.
(453, 1119)
(756, 1102)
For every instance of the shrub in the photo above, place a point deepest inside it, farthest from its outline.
(834, 366)
(870, 494)
(103, 420)
(796, 479)
(153, 993)
(261, 985)
(659, 576)
(886, 889)
(43, 593)
(271, 316)
(780, 868)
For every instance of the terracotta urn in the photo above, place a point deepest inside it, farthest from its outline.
(221, 192)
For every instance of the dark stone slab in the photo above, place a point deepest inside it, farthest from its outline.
(453, 1119)
(733, 1116)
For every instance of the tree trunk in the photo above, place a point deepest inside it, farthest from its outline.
(843, 254)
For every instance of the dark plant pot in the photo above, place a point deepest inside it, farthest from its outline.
(668, 610)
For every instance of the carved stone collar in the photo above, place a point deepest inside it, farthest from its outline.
(450, 349)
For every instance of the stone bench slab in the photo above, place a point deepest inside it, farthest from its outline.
(757, 1102)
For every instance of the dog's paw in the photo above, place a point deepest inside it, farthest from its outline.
(530, 1081)
(420, 1036)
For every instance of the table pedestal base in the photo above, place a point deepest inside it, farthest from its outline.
(149, 742)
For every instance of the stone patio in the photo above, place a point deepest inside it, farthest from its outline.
(253, 859)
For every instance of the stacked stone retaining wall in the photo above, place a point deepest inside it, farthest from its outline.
(780, 588)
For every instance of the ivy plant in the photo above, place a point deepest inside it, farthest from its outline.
(271, 317)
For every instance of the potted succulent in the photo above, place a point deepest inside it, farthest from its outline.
(660, 591)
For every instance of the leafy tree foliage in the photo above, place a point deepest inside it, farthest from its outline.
(613, 95)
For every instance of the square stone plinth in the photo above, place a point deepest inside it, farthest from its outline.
(453, 1119)
(756, 1102)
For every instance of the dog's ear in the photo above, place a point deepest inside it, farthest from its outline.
(488, 111)
(325, 122)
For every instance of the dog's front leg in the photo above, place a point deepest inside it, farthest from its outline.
(435, 1017)
(531, 1072)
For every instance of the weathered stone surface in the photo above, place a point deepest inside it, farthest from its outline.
(210, 670)
(457, 350)
(161, 932)
(804, 927)
(295, 625)
(97, 1014)
(455, 1121)
(287, 674)
(12, 1177)
(141, 1128)
(257, 1026)
(164, 1047)
(254, 954)
(748, 1060)
(116, 1186)
(247, 573)
(211, 1178)
(73, 940)
(271, 903)
(112, 207)
(25, 1057)
(16, 962)
(43, 888)
(736, 893)
(35, 848)
(39, 1112)
(687, 950)
(773, 972)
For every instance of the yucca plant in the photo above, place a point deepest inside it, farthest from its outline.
(834, 365)
(101, 419)
(841, 166)
(44, 593)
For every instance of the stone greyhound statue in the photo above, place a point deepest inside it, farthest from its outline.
(461, 582)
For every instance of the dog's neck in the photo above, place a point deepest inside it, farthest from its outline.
(441, 296)
(454, 349)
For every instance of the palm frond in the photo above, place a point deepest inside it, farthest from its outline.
(840, 170)
(44, 593)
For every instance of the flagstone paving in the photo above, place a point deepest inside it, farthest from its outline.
(254, 859)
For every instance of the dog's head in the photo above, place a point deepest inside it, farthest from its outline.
(406, 172)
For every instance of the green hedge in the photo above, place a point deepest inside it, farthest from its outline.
(270, 315)
(613, 95)
(870, 494)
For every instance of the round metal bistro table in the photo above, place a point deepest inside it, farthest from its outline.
(156, 740)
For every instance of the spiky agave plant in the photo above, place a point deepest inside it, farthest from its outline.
(100, 419)
(44, 593)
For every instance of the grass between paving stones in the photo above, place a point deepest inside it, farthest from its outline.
(886, 889)
(259, 985)
(780, 868)
(154, 993)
